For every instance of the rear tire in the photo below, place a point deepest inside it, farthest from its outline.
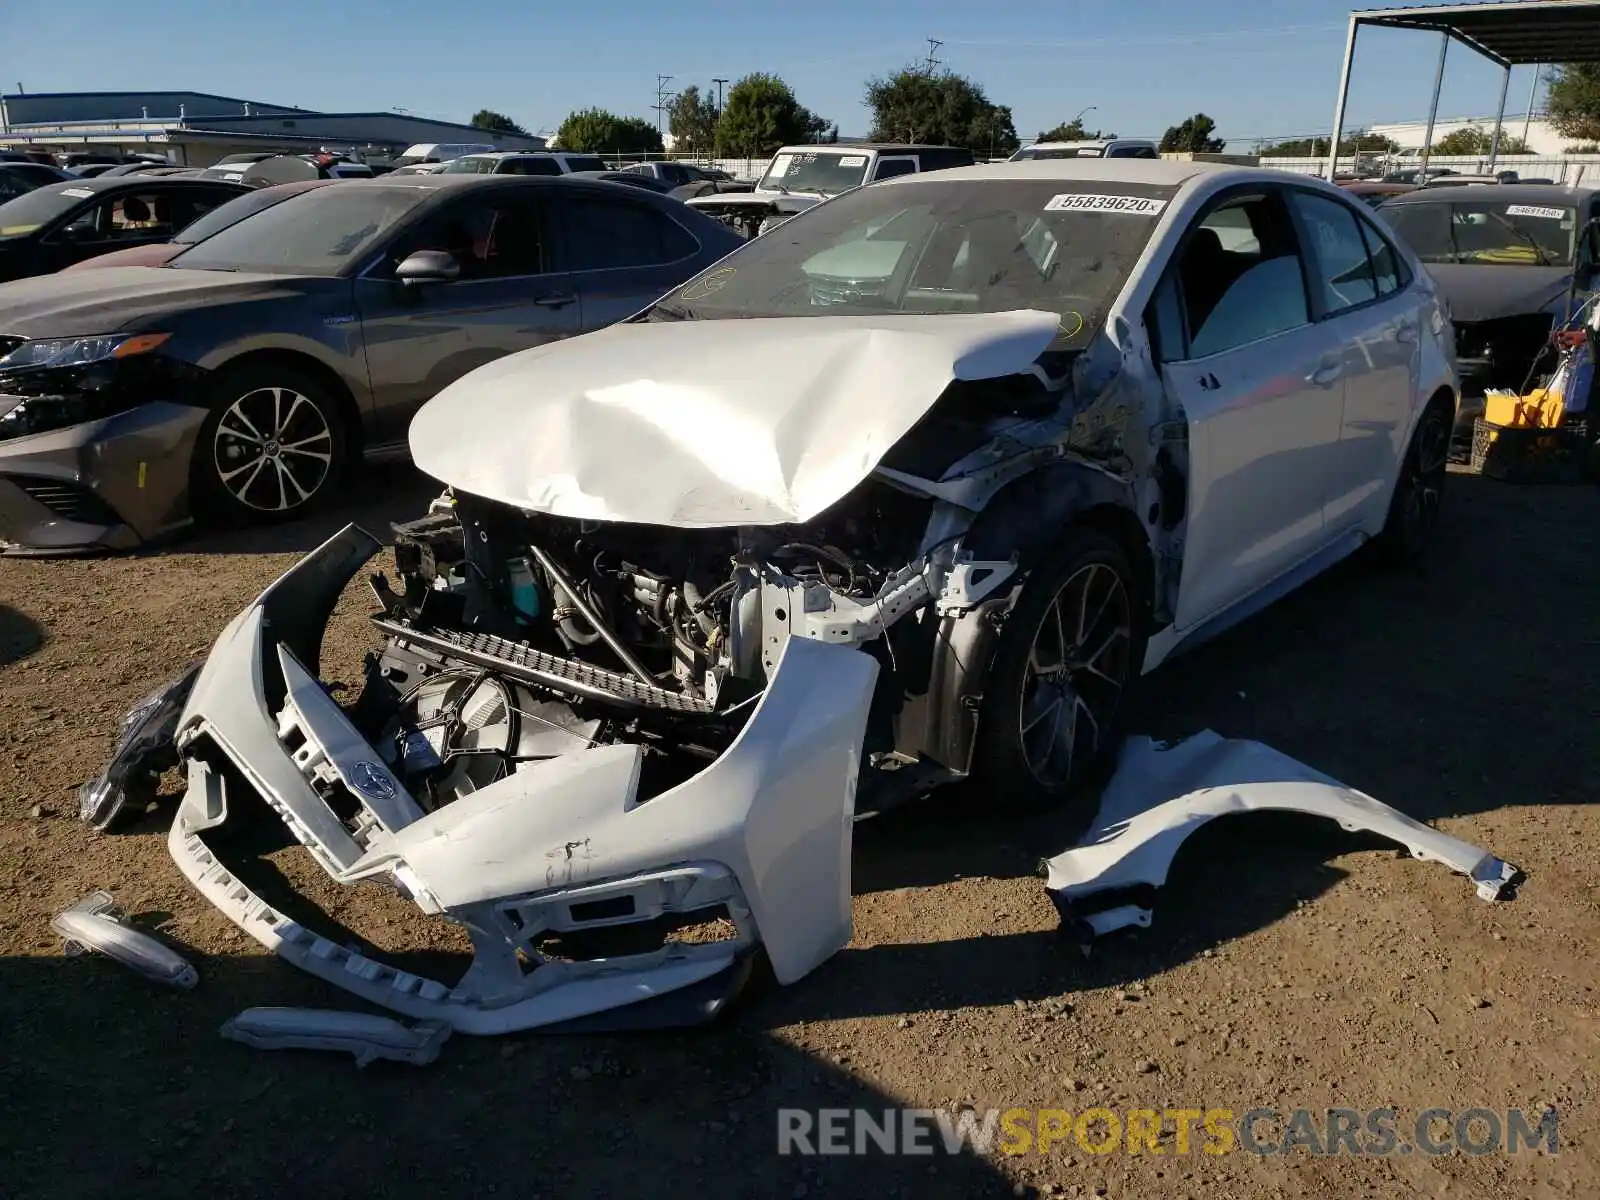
(1418, 492)
(1070, 650)
(273, 447)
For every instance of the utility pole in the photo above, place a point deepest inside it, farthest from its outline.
(661, 98)
(932, 62)
(719, 83)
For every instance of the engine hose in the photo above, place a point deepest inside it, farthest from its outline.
(691, 596)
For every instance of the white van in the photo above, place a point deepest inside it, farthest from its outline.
(434, 152)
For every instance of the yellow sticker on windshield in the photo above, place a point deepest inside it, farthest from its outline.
(1071, 325)
(714, 282)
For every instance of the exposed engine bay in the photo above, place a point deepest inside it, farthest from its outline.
(516, 637)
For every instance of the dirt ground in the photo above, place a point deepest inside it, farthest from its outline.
(1290, 964)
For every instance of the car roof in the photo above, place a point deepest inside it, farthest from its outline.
(1160, 172)
(1510, 193)
(862, 147)
(1086, 142)
(100, 183)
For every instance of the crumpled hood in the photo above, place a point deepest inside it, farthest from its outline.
(71, 303)
(1484, 293)
(699, 424)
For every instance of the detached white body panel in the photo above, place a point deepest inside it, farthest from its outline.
(1160, 795)
(763, 833)
(701, 424)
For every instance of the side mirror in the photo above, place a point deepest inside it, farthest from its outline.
(428, 266)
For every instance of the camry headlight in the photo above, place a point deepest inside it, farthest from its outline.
(80, 351)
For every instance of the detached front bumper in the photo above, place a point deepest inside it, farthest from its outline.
(762, 834)
(110, 484)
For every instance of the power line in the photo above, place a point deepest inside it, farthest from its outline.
(932, 62)
(661, 98)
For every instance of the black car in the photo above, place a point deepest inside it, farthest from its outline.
(18, 178)
(630, 179)
(240, 379)
(62, 223)
(1511, 260)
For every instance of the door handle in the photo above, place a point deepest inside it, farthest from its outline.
(556, 300)
(1209, 382)
(1326, 374)
(1405, 332)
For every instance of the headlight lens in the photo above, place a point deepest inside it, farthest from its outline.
(79, 351)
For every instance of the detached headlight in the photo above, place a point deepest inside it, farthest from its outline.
(80, 351)
(144, 749)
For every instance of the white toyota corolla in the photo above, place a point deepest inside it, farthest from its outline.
(911, 489)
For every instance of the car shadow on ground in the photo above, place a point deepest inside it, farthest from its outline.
(374, 495)
(20, 635)
(688, 1114)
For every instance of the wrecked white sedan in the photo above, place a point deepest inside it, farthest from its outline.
(909, 490)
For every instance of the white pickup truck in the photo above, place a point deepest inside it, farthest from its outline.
(801, 176)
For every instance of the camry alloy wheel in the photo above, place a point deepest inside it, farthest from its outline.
(273, 449)
(1076, 672)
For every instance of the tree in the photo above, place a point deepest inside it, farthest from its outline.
(596, 131)
(1474, 139)
(915, 105)
(760, 114)
(692, 120)
(1073, 131)
(1573, 101)
(1314, 147)
(1193, 136)
(496, 122)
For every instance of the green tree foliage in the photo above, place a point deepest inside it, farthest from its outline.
(1474, 139)
(1574, 100)
(1195, 135)
(692, 120)
(1314, 146)
(1073, 131)
(760, 114)
(596, 131)
(495, 122)
(943, 109)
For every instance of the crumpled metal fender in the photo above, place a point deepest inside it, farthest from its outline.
(1161, 794)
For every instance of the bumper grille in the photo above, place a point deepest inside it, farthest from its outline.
(535, 666)
(69, 501)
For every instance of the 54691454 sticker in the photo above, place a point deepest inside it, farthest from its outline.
(1129, 206)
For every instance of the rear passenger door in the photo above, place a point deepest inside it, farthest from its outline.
(1358, 292)
(622, 254)
(1259, 384)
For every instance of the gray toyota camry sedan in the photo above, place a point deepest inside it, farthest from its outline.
(241, 379)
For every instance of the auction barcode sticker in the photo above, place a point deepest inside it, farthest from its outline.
(1534, 210)
(1134, 206)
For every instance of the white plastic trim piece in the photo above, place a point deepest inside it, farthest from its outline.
(365, 1035)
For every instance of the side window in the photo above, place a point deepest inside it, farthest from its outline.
(488, 240)
(1387, 267)
(1338, 254)
(1237, 279)
(890, 167)
(532, 166)
(604, 233)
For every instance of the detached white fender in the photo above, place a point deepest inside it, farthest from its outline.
(1161, 794)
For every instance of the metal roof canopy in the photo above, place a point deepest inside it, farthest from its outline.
(1510, 33)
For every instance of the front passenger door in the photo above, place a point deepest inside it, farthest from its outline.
(421, 338)
(1261, 393)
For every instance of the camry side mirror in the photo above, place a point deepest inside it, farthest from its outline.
(428, 266)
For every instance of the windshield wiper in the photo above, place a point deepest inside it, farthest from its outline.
(671, 312)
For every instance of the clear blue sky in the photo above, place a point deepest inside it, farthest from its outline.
(1262, 69)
